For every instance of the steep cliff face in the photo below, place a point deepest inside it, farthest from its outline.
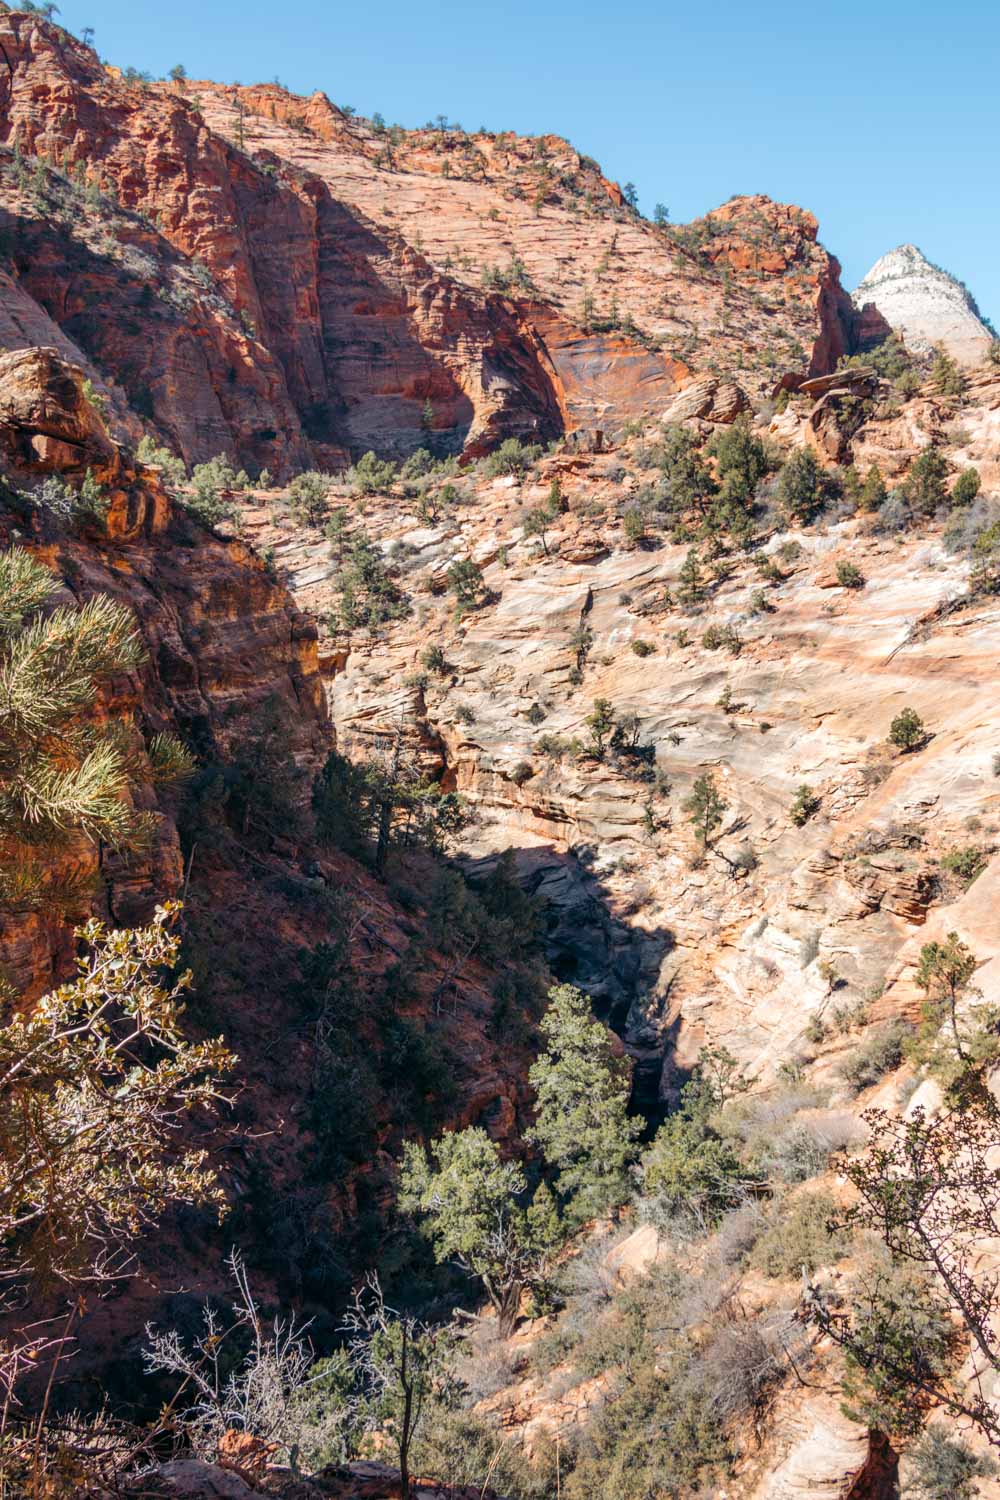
(231, 659)
(925, 305)
(257, 274)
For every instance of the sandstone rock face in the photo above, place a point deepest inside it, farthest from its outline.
(925, 305)
(709, 399)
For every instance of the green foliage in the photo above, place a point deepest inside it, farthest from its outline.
(691, 587)
(873, 491)
(370, 596)
(149, 452)
(924, 486)
(433, 659)
(902, 1342)
(892, 360)
(619, 1461)
(371, 475)
(742, 461)
(806, 803)
(879, 1053)
(966, 487)
(582, 1124)
(512, 457)
(308, 498)
(97, 1081)
(634, 524)
(384, 802)
(643, 648)
(799, 1238)
(705, 808)
(946, 377)
(465, 579)
(470, 1205)
(967, 863)
(62, 773)
(601, 722)
(945, 1468)
(536, 522)
(803, 487)
(212, 483)
(690, 1171)
(849, 576)
(907, 730)
(957, 1039)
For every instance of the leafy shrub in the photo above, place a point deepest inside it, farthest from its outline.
(924, 488)
(878, 1054)
(797, 1237)
(907, 730)
(806, 803)
(512, 457)
(966, 487)
(308, 497)
(966, 863)
(945, 1468)
(643, 648)
(149, 452)
(369, 594)
(849, 576)
(211, 484)
(803, 486)
(371, 475)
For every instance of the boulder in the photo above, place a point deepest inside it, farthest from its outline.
(709, 399)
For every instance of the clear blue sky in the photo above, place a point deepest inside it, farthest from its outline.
(878, 115)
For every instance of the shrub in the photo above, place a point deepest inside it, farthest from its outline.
(797, 1238)
(947, 377)
(522, 772)
(945, 1468)
(966, 863)
(966, 487)
(371, 475)
(582, 1123)
(907, 730)
(536, 714)
(806, 803)
(803, 487)
(148, 452)
(705, 808)
(512, 457)
(924, 489)
(849, 576)
(369, 594)
(211, 483)
(308, 497)
(873, 491)
(643, 648)
(465, 579)
(434, 659)
(880, 1053)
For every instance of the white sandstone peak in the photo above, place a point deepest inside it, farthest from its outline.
(925, 305)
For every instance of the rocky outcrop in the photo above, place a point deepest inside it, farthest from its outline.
(708, 400)
(925, 305)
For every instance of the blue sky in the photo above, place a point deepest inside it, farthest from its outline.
(877, 116)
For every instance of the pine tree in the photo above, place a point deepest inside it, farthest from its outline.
(469, 1204)
(582, 1124)
(873, 491)
(62, 774)
(705, 808)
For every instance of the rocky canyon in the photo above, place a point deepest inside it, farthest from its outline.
(535, 606)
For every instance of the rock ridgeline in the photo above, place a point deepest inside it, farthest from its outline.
(925, 305)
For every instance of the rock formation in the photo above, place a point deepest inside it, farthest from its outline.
(925, 305)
